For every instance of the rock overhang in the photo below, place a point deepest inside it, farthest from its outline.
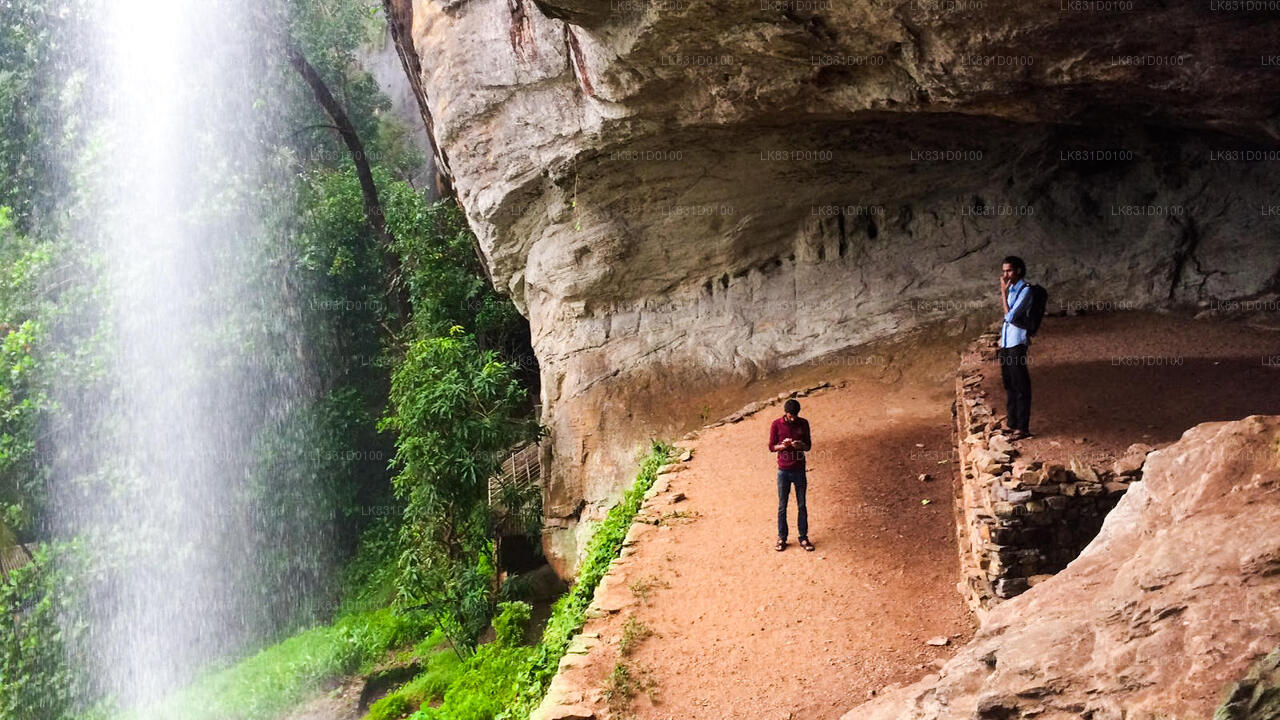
(699, 194)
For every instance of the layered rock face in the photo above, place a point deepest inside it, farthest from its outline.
(1170, 605)
(686, 196)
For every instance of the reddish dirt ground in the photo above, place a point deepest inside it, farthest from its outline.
(1102, 382)
(743, 631)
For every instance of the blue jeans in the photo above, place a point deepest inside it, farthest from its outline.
(787, 478)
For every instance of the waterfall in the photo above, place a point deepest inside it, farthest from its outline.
(161, 472)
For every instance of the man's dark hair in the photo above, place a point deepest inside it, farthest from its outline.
(792, 406)
(1017, 264)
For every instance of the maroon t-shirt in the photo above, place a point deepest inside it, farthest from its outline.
(797, 430)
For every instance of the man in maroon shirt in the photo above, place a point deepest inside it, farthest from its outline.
(789, 438)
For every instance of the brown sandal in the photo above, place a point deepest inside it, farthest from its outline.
(804, 543)
(782, 545)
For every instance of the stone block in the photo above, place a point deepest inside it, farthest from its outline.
(1011, 587)
(1130, 463)
(1083, 472)
(1057, 474)
(1032, 478)
(1000, 443)
(1040, 519)
(1037, 537)
(1089, 489)
(1115, 488)
(1003, 536)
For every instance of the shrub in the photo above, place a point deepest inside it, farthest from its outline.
(390, 707)
(509, 626)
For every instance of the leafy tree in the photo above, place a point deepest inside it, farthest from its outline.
(455, 409)
(42, 94)
(41, 680)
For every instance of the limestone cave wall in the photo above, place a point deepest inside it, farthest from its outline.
(687, 196)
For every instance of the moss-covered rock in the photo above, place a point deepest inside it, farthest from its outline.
(1257, 696)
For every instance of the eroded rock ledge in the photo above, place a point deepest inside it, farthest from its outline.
(1169, 606)
(685, 196)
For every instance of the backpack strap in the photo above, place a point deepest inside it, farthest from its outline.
(1025, 287)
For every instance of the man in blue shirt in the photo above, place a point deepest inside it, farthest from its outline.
(1015, 293)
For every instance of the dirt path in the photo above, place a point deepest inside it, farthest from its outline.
(743, 631)
(1101, 382)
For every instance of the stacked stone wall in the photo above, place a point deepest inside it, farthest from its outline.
(1020, 520)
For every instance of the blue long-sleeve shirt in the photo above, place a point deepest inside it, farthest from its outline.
(1011, 335)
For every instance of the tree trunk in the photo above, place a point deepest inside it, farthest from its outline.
(372, 206)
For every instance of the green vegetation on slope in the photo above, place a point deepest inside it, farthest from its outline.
(506, 681)
(317, 471)
(281, 676)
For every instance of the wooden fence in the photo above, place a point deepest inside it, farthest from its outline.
(12, 558)
(521, 473)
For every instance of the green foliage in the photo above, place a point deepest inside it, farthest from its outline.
(510, 623)
(22, 396)
(487, 685)
(569, 612)
(455, 410)
(369, 579)
(330, 34)
(504, 680)
(390, 707)
(442, 669)
(1257, 695)
(444, 276)
(282, 675)
(41, 680)
(41, 102)
(308, 470)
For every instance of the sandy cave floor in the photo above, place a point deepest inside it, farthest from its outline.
(742, 631)
(1102, 382)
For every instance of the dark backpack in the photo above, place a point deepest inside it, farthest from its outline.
(1030, 318)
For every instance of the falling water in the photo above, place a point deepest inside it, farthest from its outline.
(201, 352)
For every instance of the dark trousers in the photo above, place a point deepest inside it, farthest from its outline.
(787, 478)
(1017, 386)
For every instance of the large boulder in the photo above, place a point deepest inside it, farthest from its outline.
(686, 196)
(1172, 603)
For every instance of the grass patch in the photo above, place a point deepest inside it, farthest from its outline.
(643, 587)
(443, 669)
(623, 684)
(633, 632)
(285, 674)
